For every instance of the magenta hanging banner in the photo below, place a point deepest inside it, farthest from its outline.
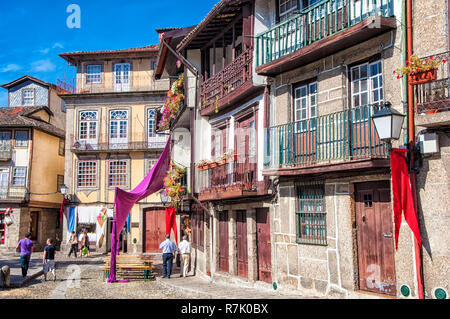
(124, 202)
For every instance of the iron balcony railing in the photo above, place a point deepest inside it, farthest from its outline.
(233, 175)
(106, 143)
(13, 193)
(342, 136)
(434, 96)
(5, 152)
(315, 23)
(135, 83)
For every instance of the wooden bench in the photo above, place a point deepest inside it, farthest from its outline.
(131, 267)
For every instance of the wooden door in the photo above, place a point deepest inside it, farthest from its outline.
(155, 229)
(375, 237)
(246, 149)
(241, 243)
(263, 245)
(34, 225)
(223, 241)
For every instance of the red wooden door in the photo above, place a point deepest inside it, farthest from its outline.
(223, 241)
(375, 238)
(241, 243)
(155, 229)
(263, 245)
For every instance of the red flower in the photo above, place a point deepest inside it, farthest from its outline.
(394, 72)
(398, 76)
(444, 60)
(431, 58)
(407, 62)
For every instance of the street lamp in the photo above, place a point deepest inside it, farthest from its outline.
(64, 191)
(388, 122)
(164, 198)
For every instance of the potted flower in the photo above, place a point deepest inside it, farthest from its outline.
(232, 156)
(173, 103)
(173, 183)
(222, 160)
(419, 70)
(203, 165)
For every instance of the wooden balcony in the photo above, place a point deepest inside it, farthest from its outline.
(103, 143)
(340, 141)
(319, 31)
(227, 86)
(229, 180)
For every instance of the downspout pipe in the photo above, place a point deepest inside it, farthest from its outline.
(411, 144)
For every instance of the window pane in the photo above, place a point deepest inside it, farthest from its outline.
(21, 138)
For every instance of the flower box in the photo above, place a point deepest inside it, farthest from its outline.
(212, 165)
(221, 162)
(422, 77)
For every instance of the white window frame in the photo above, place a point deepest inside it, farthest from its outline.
(88, 126)
(287, 13)
(151, 122)
(15, 176)
(27, 100)
(118, 118)
(93, 73)
(308, 106)
(87, 176)
(115, 172)
(373, 86)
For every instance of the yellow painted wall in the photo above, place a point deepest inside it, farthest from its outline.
(142, 75)
(46, 164)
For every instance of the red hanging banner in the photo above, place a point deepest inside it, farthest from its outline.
(402, 195)
(171, 222)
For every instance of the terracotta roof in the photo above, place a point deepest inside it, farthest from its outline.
(144, 49)
(21, 117)
(23, 79)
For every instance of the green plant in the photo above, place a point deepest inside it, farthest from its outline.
(416, 65)
(173, 103)
(173, 183)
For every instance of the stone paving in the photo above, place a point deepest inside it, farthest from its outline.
(80, 278)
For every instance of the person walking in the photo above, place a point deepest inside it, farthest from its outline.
(84, 244)
(74, 244)
(168, 248)
(48, 259)
(26, 249)
(184, 249)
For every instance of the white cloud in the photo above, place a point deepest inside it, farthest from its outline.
(45, 51)
(57, 45)
(11, 68)
(43, 66)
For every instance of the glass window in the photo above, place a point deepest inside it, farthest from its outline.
(18, 178)
(286, 9)
(305, 104)
(87, 174)
(94, 74)
(21, 138)
(367, 84)
(88, 125)
(311, 214)
(118, 173)
(28, 97)
(59, 182)
(118, 125)
(151, 122)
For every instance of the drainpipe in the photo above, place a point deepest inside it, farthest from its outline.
(411, 144)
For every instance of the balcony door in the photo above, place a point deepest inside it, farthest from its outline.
(118, 129)
(87, 131)
(4, 178)
(122, 77)
(246, 151)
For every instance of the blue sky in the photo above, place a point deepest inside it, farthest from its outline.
(33, 33)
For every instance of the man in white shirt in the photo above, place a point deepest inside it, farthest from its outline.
(185, 250)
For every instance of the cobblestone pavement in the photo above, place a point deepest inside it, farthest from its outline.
(80, 278)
